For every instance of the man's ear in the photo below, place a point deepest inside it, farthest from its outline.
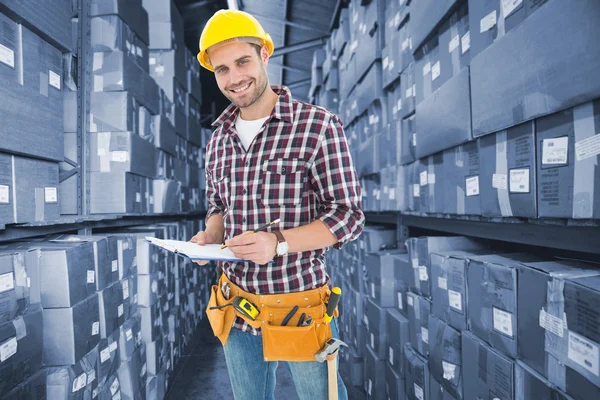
(264, 55)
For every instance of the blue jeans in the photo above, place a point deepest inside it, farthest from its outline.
(252, 378)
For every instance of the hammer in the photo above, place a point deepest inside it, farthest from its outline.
(329, 353)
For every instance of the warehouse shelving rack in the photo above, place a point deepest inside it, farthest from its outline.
(83, 223)
(570, 235)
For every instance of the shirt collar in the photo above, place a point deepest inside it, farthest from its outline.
(283, 109)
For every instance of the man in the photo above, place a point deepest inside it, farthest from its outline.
(272, 157)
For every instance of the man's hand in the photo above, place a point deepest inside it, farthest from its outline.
(258, 247)
(201, 238)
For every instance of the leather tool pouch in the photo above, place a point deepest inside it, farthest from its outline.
(280, 343)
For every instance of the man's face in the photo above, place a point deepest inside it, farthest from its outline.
(240, 72)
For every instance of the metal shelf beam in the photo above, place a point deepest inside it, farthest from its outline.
(78, 223)
(559, 234)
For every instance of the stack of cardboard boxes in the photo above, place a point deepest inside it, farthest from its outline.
(454, 319)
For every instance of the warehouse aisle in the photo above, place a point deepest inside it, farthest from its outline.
(202, 373)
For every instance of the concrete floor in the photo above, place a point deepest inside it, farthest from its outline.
(202, 373)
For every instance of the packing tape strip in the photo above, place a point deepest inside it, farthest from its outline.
(502, 169)
(583, 170)
(487, 301)
(20, 328)
(455, 55)
(554, 344)
(40, 204)
(104, 153)
(431, 186)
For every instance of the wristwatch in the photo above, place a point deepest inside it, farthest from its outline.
(282, 245)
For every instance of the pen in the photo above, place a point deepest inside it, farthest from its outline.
(258, 229)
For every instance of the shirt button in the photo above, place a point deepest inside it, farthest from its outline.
(283, 170)
(244, 220)
(246, 163)
(244, 191)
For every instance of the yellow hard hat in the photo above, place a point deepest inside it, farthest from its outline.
(226, 25)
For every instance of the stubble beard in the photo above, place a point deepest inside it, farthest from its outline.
(260, 86)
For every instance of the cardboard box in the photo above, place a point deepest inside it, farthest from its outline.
(109, 360)
(375, 321)
(437, 391)
(374, 383)
(74, 381)
(394, 384)
(370, 88)
(166, 65)
(427, 69)
(131, 12)
(449, 286)
(7, 215)
(116, 72)
(192, 108)
(148, 289)
(407, 140)
(571, 357)
(113, 111)
(130, 337)
(21, 348)
(398, 334)
(426, 16)
(406, 47)
(485, 371)
(414, 186)
(492, 308)
(104, 252)
(380, 277)
(420, 249)
(449, 104)
(402, 273)
(64, 272)
(417, 374)
(401, 193)
(14, 298)
(70, 333)
(115, 192)
(133, 373)
(35, 190)
(454, 41)
(30, 84)
(111, 385)
(110, 33)
(461, 182)
(407, 84)
(418, 316)
(34, 386)
(391, 70)
(52, 22)
(529, 384)
(167, 26)
(121, 152)
(535, 320)
(445, 358)
(112, 312)
(151, 323)
(193, 75)
(567, 157)
(519, 93)
(508, 174)
(431, 177)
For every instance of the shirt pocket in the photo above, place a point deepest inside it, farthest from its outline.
(283, 182)
(222, 182)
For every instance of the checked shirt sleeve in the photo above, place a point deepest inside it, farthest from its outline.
(335, 182)
(215, 205)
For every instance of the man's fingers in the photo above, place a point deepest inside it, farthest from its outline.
(241, 240)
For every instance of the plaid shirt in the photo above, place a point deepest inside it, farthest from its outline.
(298, 169)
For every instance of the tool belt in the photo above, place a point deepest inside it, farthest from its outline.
(280, 343)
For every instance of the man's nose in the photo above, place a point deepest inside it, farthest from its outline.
(235, 77)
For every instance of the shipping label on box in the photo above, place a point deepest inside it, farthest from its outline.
(567, 173)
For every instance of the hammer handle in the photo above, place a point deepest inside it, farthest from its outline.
(332, 382)
(334, 299)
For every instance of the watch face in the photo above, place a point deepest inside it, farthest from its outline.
(282, 248)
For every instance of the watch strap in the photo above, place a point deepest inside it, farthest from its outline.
(280, 238)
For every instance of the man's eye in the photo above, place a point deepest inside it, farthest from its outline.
(243, 62)
(221, 70)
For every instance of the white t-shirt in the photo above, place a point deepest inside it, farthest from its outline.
(248, 130)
